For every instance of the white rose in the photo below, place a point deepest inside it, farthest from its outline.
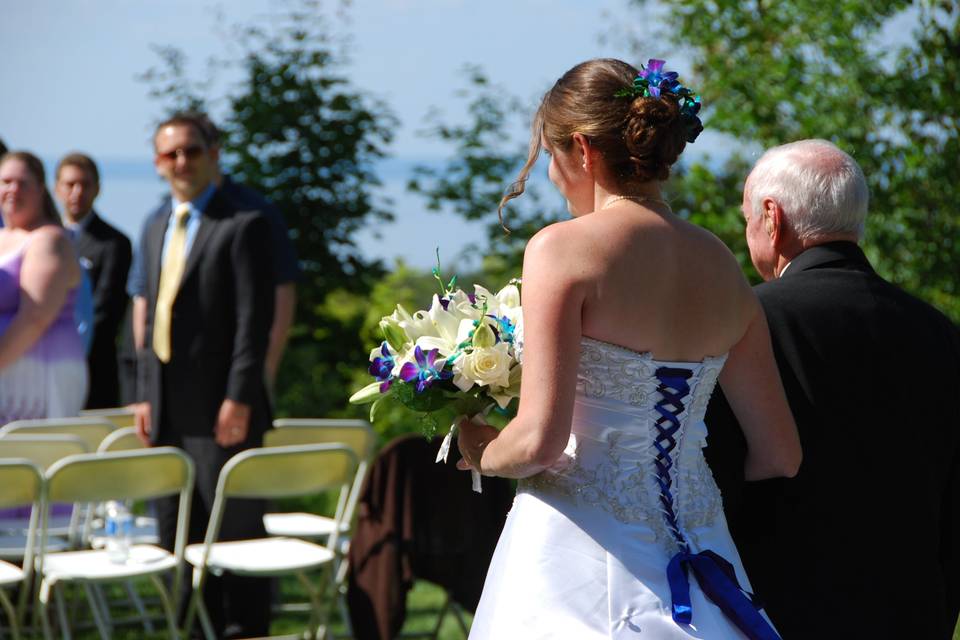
(489, 366)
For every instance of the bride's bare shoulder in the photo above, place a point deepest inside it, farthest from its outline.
(561, 247)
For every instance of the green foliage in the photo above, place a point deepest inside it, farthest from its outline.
(299, 132)
(711, 199)
(483, 162)
(771, 72)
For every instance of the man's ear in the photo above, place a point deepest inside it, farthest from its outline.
(582, 144)
(774, 222)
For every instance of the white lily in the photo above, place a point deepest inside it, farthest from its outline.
(460, 306)
(445, 327)
(416, 325)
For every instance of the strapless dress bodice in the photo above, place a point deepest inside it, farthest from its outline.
(636, 441)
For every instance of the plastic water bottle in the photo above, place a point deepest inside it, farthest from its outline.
(118, 524)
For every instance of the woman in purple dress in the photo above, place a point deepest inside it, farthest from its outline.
(43, 371)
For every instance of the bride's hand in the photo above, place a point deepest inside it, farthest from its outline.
(472, 439)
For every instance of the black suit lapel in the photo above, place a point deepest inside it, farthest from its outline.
(215, 211)
(155, 247)
(86, 237)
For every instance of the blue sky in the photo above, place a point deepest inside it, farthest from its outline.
(70, 80)
(72, 83)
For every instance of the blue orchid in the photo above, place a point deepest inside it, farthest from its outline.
(657, 79)
(505, 328)
(381, 367)
(426, 370)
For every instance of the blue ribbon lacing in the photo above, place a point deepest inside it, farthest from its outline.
(715, 575)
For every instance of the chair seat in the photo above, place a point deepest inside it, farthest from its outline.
(264, 556)
(301, 525)
(12, 546)
(10, 574)
(94, 566)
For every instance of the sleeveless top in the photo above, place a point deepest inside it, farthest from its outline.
(50, 378)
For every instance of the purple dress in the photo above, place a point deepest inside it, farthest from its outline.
(50, 379)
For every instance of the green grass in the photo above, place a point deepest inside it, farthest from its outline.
(423, 604)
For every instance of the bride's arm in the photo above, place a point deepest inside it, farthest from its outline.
(553, 294)
(751, 383)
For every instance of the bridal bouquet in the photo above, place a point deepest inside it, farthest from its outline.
(457, 358)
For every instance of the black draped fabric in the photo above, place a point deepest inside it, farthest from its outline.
(419, 519)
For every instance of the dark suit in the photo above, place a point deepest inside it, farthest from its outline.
(863, 542)
(106, 255)
(220, 326)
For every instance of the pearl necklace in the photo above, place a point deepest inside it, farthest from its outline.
(637, 199)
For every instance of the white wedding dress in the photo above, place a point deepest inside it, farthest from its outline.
(585, 550)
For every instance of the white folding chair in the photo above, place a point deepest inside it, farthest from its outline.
(125, 475)
(355, 434)
(122, 439)
(144, 530)
(275, 472)
(144, 527)
(120, 416)
(91, 430)
(360, 437)
(21, 483)
(42, 450)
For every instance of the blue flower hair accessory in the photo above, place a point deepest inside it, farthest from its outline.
(654, 82)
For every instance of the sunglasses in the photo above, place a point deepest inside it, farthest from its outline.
(190, 153)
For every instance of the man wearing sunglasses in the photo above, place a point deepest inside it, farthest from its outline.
(286, 268)
(200, 374)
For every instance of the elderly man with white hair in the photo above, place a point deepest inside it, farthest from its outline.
(863, 542)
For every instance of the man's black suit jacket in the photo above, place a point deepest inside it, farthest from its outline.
(862, 543)
(220, 323)
(106, 255)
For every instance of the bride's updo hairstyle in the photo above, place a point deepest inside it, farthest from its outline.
(639, 136)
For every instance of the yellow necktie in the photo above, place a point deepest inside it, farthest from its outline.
(170, 274)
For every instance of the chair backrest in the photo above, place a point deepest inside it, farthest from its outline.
(91, 430)
(123, 439)
(280, 423)
(120, 416)
(21, 483)
(356, 434)
(122, 475)
(42, 449)
(281, 472)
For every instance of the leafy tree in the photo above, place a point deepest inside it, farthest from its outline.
(299, 132)
(772, 72)
(484, 160)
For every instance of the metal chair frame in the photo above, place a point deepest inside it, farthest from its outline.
(125, 475)
(266, 473)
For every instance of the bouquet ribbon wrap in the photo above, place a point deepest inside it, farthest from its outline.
(444, 450)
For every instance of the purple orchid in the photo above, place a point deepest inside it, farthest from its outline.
(426, 370)
(381, 367)
(657, 79)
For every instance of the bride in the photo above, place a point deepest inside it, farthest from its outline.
(630, 316)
